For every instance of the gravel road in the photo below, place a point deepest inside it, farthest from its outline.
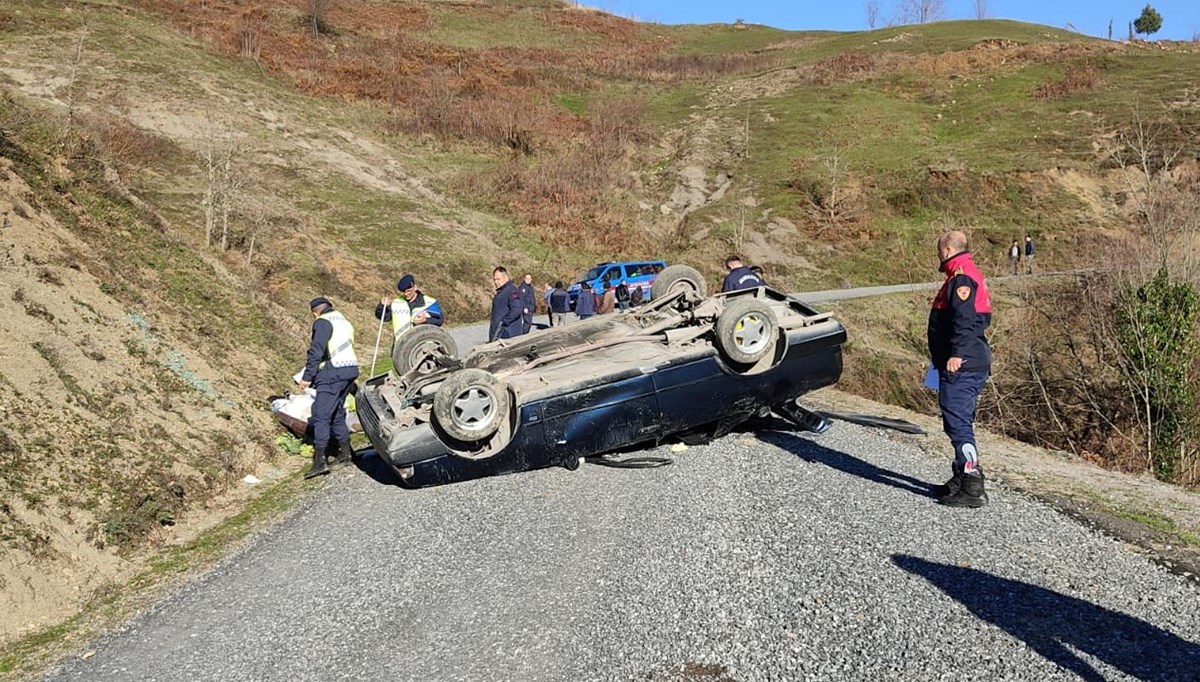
(762, 556)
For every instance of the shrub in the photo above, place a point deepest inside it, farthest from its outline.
(1156, 329)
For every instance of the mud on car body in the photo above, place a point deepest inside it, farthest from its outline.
(686, 363)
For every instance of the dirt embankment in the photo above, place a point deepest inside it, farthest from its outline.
(115, 434)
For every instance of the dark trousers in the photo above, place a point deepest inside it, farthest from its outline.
(329, 412)
(958, 394)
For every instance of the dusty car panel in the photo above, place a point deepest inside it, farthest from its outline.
(554, 396)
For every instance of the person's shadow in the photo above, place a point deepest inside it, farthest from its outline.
(810, 451)
(1053, 624)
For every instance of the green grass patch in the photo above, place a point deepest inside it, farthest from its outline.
(1156, 520)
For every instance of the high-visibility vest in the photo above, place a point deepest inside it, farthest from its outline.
(341, 343)
(402, 314)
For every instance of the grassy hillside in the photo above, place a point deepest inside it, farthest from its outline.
(443, 138)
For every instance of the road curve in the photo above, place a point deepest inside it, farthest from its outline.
(765, 555)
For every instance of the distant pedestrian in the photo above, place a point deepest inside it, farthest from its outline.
(529, 301)
(739, 277)
(961, 311)
(546, 292)
(1014, 257)
(621, 293)
(507, 308)
(585, 305)
(608, 300)
(560, 304)
(1028, 255)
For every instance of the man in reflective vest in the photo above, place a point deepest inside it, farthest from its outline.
(413, 307)
(961, 311)
(331, 369)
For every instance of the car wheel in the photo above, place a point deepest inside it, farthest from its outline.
(678, 278)
(746, 330)
(470, 405)
(419, 347)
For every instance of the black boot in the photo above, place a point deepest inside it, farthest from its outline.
(319, 467)
(345, 453)
(951, 486)
(969, 494)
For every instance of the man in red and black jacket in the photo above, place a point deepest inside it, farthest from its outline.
(962, 310)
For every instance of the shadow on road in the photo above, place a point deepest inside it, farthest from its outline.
(810, 451)
(373, 465)
(1053, 624)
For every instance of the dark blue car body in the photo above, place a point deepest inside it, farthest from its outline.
(647, 394)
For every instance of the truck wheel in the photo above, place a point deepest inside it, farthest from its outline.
(746, 330)
(470, 405)
(419, 348)
(678, 278)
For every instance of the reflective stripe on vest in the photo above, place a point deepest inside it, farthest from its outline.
(341, 343)
(402, 314)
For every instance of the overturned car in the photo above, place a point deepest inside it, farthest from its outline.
(686, 364)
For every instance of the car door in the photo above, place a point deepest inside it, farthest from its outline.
(612, 411)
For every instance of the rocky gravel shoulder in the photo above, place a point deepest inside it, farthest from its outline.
(1157, 519)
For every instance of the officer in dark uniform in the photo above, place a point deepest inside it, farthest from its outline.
(961, 311)
(508, 308)
(331, 370)
(739, 277)
(529, 299)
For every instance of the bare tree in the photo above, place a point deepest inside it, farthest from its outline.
(981, 9)
(871, 7)
(222, 183)
(316, 15)
(922, 11)
(75, 61)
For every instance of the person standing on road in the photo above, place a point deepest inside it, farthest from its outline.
(635, 296)
(331, 369)
(608, 300)
(412, 308)
(508, 308)
(585, 305)
(560, 305)
(1028, 255)
(961, 311)
(621, 294)
(546, 293)
(1014, 257)
(739, 277)
(529, 301)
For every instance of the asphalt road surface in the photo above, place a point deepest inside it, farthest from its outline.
(765, 555)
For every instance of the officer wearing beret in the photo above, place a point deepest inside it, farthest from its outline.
(411, 308)
(961, 311)
(331, 369)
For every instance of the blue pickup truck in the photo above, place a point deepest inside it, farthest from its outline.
(637, 274)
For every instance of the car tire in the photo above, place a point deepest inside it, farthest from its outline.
(746, 330)
(417, 347)
(676, 278)
(470, 405)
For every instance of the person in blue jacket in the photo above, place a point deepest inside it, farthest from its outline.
(508, 308)
(739, 277)
(529, 298)
(330, 370)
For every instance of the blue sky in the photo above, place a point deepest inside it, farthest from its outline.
(1181, 18)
